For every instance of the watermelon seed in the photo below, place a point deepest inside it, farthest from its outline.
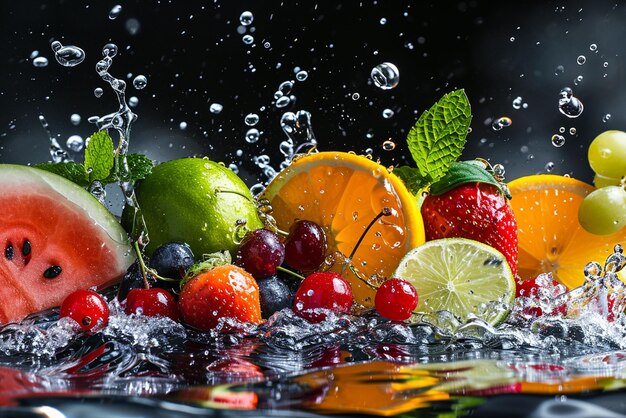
(8, 252)
(52, 272)
(26, 248)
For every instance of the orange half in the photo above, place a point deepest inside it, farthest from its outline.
(343, 193)
(550, 237)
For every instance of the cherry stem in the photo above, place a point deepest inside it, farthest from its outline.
(385, 212)
(145, 269)
(291, 272)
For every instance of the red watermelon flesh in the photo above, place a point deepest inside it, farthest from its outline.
(55, 238)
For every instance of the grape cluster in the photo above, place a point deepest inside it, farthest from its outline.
(603, 211)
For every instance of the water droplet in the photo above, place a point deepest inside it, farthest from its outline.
(284, 88)
(581, 59)
(559, 70)
(109, 50)
(606, 117)
(246, 18)
(385, 76)
(593, 47)
(40, 62)
(569, 105)
(512, 39)
(498, 170)
(572, 131)
(282, 102)
(98, 92)
(266, 45)
(75, 143)
(251, 119)
(115, 12)
(301, 75)
(133, 101)
(140, 82)
(562, 129)
(252, 135)
(216, 108)
(356, 96)
(549, 166)
(34, 54)
(383, 20)
(248, 39)
(387, 113)
(389, 145)
(558, 140)
(517, 102)
(502, 122)
(182, 126)
(605, 64)
(578, 80)
(75, 119)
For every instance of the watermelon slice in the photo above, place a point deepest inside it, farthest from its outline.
(55, 238)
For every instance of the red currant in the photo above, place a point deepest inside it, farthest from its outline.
(87, 308)
(152, 302)
(305, 246)
(396, 299)
(322, 290)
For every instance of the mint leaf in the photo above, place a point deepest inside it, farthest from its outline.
(466, 172)
(437, 139)
(139, 167)
(99, 156)
(72, 171)
(411, 177)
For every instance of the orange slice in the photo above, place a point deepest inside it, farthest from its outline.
(550, 237)
(343, 193)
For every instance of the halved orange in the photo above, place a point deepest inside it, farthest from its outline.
(343, 193)
(550, 237)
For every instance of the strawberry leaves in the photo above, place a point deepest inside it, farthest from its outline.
(466, 172)
(437, 140)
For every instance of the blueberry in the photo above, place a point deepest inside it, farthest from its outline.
(172, 260)
(133, 279)
(274, 294)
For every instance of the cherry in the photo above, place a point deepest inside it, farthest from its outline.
(152, 302)
(322, 290)
(261, 253)
(305, 246)
(87, 308)
(396, 299)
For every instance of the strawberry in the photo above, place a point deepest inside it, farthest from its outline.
(469, 202)
(226, 291)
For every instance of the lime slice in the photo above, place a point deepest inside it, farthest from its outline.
(461, 276)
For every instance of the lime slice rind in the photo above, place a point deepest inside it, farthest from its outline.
(461, 276)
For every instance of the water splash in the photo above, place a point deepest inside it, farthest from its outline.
(67, 56)
(58, 154)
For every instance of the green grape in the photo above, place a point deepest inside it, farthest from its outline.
(603, 211)
(607, 154)
(602, 181)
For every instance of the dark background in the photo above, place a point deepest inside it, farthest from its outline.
(192, 54)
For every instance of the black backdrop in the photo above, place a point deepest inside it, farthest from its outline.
(193, 55)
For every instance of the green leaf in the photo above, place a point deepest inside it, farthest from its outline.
(209, 261)
(99, 156)
(139, 167)
(466, 172)
(411, 177)
(437, 139)
(72, 171)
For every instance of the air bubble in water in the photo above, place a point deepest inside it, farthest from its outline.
(387, 113)
(356, 96)
(67, 56)
(389, 145)
(140, 82)
(75, 143)
(246, 18)
(40, 62)
(383, 20)
(606, 117)
(115, 12)
(282, 101)
(216, 108)
(385, 76)
(558, 140)
(75, 119)
(549, 167)
(248, 39)
(98, 92)
(517, 102)
(284, 88)
(569, 105)
(251, 119)
(301, 75)
(593, 47)
(252, 135)
(581, 59)
(502, 122)
(572, 131)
